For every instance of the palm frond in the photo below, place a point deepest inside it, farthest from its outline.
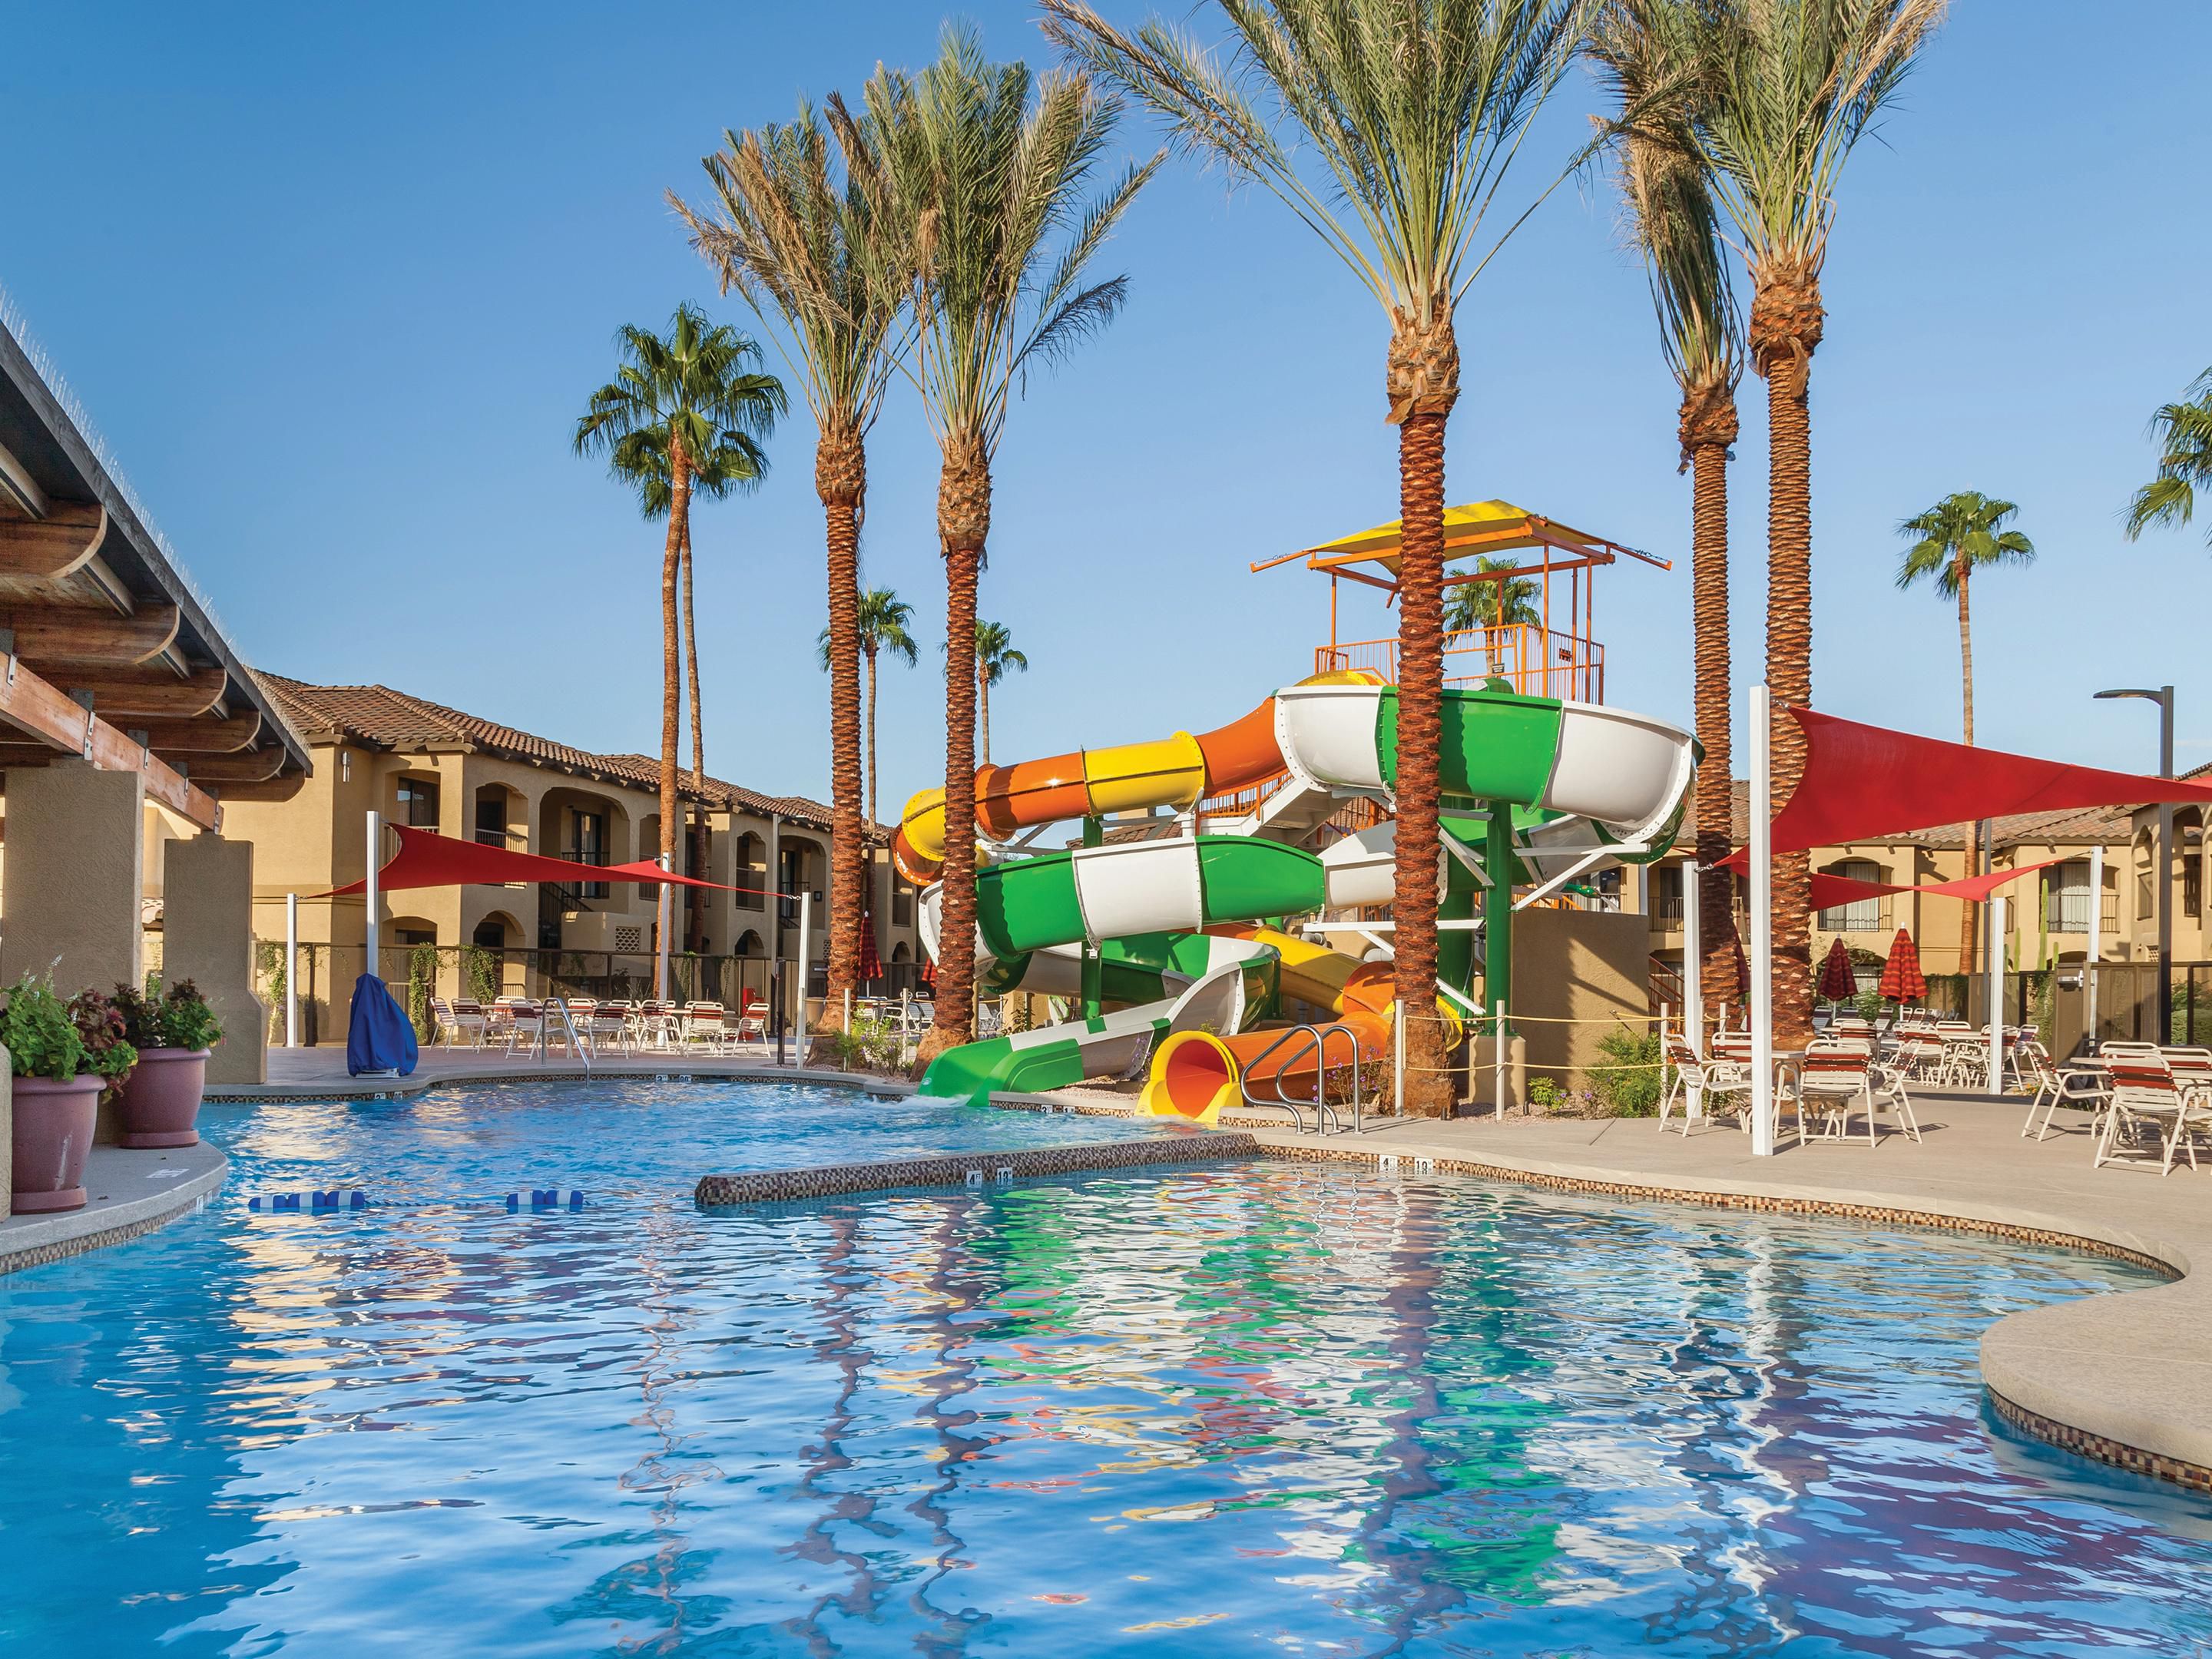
(2184, 433)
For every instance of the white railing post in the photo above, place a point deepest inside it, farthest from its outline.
(1997, 992)
(799, 1001)
(1498, 1060)
(291, 970)
(1398, 1058)
(1763, 1124)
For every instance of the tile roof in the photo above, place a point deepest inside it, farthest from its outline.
(378, 717)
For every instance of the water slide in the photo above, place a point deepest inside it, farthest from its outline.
(1172, 918)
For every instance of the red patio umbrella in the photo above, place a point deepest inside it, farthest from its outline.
(1901, 979)
(872, 964)
(1837, 982)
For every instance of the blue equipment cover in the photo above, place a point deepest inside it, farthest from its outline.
(381, 1037)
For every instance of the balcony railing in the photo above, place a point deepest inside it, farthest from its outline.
(1533, 660)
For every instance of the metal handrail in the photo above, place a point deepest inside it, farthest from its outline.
(1315, 1040)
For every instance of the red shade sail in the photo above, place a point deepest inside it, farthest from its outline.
(1901, 979)
(1837, 982)
(426, 859)
(1834, 892)
(1862, 782)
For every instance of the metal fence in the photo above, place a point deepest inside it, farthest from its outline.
(2055, 1001)
(416, 972)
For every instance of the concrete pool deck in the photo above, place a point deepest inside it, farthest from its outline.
(129, 1194)
(2126, 1379)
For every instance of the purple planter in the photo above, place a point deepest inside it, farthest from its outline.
(52, 1133)
(160, 1098)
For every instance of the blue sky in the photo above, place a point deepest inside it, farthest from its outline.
(335, 281)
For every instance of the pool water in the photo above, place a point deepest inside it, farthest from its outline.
(1238, 1409)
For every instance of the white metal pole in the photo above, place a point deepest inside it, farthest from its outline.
(664, 913)
(375, 858)
(291, 970)
(1763, 1123)
(1997, 992)
(2096, 939)
(1398, 1058)
(799, 1003)
(1693, 975)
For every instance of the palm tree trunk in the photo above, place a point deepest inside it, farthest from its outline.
(1969, 914)
(1429, 1088)
(1785, 328)
(694, 911)
(963, 523)
(672, 698)
(982, 716)
(840, 480)
(870, 736)
(1709, 428)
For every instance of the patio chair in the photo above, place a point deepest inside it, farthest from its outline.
(1714, 1079)
(750, 1025)
(525, 1023)
(457, 1021)
(2079, 1087)
(706, 1026)
(2144, 1098)
(1831, 1076)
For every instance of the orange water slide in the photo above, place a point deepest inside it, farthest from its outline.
(1195, 1074)
(1178, 772)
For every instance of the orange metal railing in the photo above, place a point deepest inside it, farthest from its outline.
(1533, 660)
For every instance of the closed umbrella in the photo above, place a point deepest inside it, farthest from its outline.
(1837, 982)
(1901, 979)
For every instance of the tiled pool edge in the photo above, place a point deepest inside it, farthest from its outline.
(716, 1192)
(690, 1068)
(50, 1238)
(2195, 1477)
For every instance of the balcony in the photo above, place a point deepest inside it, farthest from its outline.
(1534, 660)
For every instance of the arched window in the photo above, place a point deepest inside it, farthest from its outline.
(751, 872)
(749, 944)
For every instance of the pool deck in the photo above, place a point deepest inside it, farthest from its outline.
(131, 1192)
(2125, 1378)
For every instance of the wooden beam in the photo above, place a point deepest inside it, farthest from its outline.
(56, 637)
(151, 693)
(256, 766)
(60, 544)
(225, 736)
(67, 728)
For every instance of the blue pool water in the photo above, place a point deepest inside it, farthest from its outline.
(1258, 1409)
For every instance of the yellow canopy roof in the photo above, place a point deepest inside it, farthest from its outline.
(1477, 527)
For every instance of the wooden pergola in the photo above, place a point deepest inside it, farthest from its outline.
(106, 653)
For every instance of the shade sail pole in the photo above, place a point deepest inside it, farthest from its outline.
(1694, 982)
(291, 970)
(1997, 992)
(663, 917)
(2096, 940)
(369, 890)
(1762, 928)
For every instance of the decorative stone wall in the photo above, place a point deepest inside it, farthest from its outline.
(835, 1180)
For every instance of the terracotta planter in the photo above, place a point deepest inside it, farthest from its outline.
(52, 1133)
(160, 1098)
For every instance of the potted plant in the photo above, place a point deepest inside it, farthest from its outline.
(173, 1032)
(57, 1095)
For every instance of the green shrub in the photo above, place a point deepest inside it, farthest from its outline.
(179, 1017)
(42, 1039)
(1635, 1077)
(1545, 1094)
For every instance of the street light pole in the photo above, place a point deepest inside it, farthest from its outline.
(2164, 698)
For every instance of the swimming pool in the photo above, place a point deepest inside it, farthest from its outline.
(1260, 1408)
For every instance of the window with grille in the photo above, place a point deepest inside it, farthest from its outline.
(418, 803)
(2066, 899)
(1860, 916)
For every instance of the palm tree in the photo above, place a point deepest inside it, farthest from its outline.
(1961, 533)
(807, 248)
(2185, 461)
(994, 657)
(736, 463)
(881, 618)
(691, 392)
(1491, 604)
(1414, 110)
(1648, 54)
(988, 178)
(1793, 86)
